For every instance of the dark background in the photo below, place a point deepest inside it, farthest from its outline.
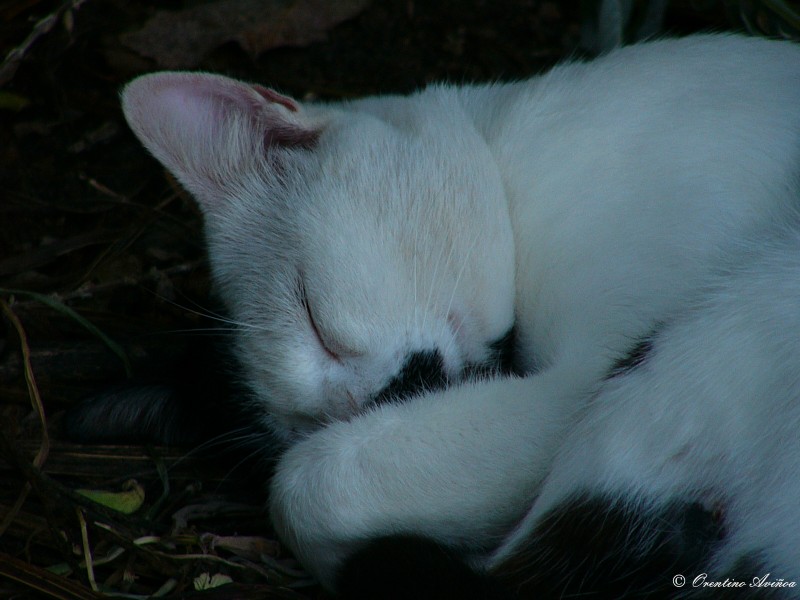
(89, 220)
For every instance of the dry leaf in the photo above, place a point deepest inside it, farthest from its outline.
(205, 581)
(246, 546)
(127, 502)
(180, 39)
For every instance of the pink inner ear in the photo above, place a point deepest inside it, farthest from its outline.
(189, 99)
(288, 136)
(284, 133)
(201, 100)
(193, 101)
(273, 96)
(184, 120)
(279, 129)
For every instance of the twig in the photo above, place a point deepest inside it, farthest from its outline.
(13, 59)
(56, 304)
(87, 551)
(42, 581)
(38, 407)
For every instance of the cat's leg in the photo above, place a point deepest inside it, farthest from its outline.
(460, 467)
(687, 463)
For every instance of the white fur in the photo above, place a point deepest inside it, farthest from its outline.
(653, 188)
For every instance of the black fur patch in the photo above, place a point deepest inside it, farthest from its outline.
(502, 358)
(422, 372)
(635, 357)
(595, 547)
(591, 546)
(406, 567)
(184, 403)
(504, 352)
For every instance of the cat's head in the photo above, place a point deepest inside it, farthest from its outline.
(363, 249)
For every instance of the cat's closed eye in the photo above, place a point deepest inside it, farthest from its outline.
(332, 349)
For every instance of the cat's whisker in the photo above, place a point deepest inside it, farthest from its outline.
(207, 313)
(256, 453)
(243, 437)
(447, 262)
(452, 339)
(221, 440)
(415, 259)
(199, 310)
(224, 440)
(431, 286)
(205, 331)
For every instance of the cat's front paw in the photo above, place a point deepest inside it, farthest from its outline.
(452, 467)
(321, 503)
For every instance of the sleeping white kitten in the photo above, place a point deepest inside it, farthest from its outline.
(633, 222)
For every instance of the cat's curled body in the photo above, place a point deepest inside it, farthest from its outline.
(634, 219)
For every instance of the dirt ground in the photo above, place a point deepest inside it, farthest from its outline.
(103, 274)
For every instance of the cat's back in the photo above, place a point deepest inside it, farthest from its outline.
(636, 170)
(697, 79)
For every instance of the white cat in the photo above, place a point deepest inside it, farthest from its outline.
(633, 219)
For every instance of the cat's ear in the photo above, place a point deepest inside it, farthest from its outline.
(208, 129)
